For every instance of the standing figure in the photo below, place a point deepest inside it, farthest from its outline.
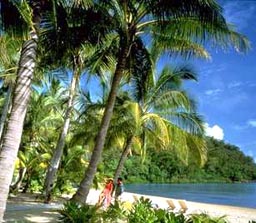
(119, 189)
(106, 195)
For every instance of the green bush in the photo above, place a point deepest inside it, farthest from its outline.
(114, 213)
(142, 212)
(73, 212)
(204, 218)
(165, 216)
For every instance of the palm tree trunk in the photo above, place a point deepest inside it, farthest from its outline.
(83, 190)
(17, 184)
(5, 110)
(27, 181)
(22, 89)
(56, 158)
(12, 137)
(123, 157)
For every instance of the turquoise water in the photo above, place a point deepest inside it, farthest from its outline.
(238, 194)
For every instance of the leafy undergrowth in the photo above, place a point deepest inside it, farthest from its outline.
(120, 212)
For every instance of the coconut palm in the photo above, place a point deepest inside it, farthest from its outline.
(31, 16)
(55, 160)
(177, 26)
(9, 49)
(39, 137)
(75, 40)
(163, 106)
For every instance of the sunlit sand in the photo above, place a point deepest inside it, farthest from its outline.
(233, 214)
(32, 210)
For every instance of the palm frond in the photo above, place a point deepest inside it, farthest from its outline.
(104, 57)
(190, 122)
(197, 149)
(26, 12)
(175, 46)
(157, 124)
(169, 100)
(11, 20)
(135, 111)
(191, 33)
(64, 33)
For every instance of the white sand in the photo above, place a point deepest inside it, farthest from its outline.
(31, 211)
(233, 214)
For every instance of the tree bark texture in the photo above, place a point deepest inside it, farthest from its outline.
(12, 137)
(83, 190)
(123, 157)
(5, 110)
(56, 158)
(17, 184)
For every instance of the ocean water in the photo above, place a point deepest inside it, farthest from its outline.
(237, 194)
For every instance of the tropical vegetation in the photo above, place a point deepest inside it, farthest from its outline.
(114, 103)
(225, 163)
(141, 211)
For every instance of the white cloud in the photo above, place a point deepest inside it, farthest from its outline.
(240, 127)
(211, 69)
(252, 84)
(239, 13)
(234, 84)
(230, 102)
(214, 131)
(213, 92)
(252, 123)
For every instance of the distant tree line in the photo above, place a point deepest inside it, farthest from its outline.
(225, 163)
(49, 129)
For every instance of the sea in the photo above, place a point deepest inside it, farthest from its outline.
(233, 194)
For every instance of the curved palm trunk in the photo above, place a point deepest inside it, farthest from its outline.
(17, 184)
(56, 158)
(27, 181)
(83, 190)
(123, 157)
(12, 137)
(5, 110)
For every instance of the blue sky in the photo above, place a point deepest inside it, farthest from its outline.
(227, 84)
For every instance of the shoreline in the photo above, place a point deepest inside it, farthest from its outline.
(228, 194)
(233, 214)
(27, 207)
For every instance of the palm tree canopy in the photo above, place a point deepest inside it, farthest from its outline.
(177, 26)
(167, 113)
(71, 30)
(11, 19)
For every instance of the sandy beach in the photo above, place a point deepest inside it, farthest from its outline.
(233, 214)
(29, 209)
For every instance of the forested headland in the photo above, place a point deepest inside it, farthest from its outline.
(81, 81)
(225, 163)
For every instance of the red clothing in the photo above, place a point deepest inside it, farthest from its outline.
(108, 193)
(109, 186)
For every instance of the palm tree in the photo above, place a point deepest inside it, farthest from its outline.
(9, 49)
(163, 106)
(55, 161)
(76, 38)
(39, 130)
(177, 26)
(31, 15)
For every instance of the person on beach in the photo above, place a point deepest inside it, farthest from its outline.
(119, 188)
(106, 195)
